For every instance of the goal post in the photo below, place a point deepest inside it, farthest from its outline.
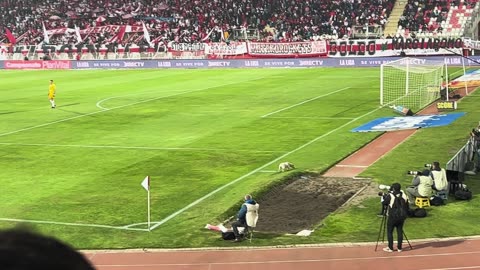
(412, 83)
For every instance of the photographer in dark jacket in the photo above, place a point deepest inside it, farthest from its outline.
(393, 220)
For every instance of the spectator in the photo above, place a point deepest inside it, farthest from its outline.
(25, 250)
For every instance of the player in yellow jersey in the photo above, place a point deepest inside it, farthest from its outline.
(51, 93)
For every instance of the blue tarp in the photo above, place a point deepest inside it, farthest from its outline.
(408, 122)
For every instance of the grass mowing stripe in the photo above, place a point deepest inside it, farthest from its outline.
(138, 147)
(313, 117)
(122, 106)
(71, 224)
(257, 170)
(305, 101)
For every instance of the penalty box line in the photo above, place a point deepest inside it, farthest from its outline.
(126, 227)
(171, 216)
(305, 101)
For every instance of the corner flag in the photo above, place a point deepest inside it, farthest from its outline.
(146, 183)
(146, 186)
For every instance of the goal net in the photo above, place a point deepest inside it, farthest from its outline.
(410, 82)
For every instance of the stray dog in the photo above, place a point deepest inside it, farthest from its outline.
(285, 166)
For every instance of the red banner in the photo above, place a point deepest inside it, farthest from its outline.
(38, 64)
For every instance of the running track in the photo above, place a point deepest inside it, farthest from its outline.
(453, 254)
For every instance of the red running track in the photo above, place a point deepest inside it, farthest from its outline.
(456, 254)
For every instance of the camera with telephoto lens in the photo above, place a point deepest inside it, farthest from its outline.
(413, 172)
(427, 165)
(383, 187)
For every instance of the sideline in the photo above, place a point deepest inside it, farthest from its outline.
(127, 228)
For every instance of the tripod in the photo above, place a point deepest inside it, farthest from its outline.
(383, 227)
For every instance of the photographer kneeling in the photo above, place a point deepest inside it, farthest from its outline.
(421, 186)
(396, 203)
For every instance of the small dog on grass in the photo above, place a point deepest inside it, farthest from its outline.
(285, 166)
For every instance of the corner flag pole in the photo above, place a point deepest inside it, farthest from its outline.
(146, 185)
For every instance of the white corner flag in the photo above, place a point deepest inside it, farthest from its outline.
(45, 35)
(146, 35)
(146, 186)
(146, 183)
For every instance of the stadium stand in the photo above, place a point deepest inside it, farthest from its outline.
(439, 18)
(192, 20)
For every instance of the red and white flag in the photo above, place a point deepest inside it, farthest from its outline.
(146, 35)
(10, 36)
(146, 183)
(45, 35)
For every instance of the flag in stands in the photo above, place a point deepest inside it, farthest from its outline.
(146, 35)
(45, 35)
(146, 183)
(77, 32)
(10, 36)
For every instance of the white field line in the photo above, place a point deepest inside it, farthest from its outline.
(122, 106)
(305, 101)
(98, 104)
(351, 166)
(71, 224)
(139, 147)
(313, 117)
(257, 170)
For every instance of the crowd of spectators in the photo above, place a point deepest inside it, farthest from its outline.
(193, 20)
(427, 15)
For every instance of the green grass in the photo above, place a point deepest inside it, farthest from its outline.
(193, 132)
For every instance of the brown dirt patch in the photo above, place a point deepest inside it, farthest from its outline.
(302, 203)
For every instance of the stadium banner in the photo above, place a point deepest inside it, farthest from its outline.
(186, 47)
(2, 64)
(471, 44)
(38, 64)
(258, 63)
(394, 47)
(287, 49)
(96, 29)
(114, 64)
(231, 48)
(471, 79)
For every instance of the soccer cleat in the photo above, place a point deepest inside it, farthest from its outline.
(399, 250)
(387, 249)
(237, 240)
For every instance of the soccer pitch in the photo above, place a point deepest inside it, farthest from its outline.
(205, 137)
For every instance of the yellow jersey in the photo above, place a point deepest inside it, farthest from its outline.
(51, 90)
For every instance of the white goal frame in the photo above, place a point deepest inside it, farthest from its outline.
(412, 83)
